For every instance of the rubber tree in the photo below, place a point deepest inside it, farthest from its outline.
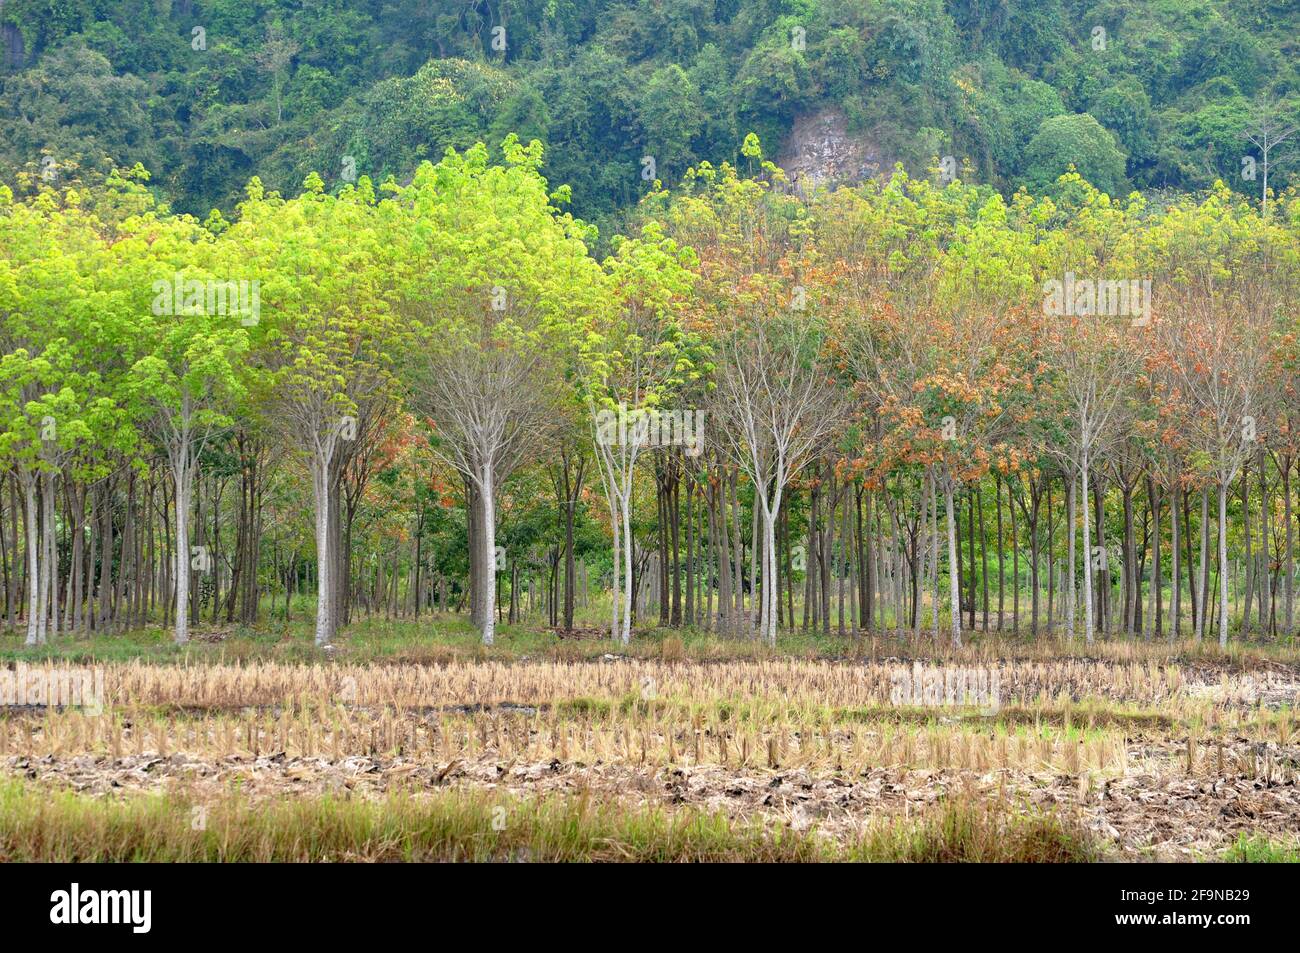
(500, 291)
(1096, 352)
(326, 268)
(933, 331)
(634, 363)
(75, 276)
(1223, 311)
(191, 371)
(43, 279)
(774, 405)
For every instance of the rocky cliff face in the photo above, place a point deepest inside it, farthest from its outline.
(820, 151)
(12, 54)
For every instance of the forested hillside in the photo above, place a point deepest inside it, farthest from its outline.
(1140, 93)
(695, 430)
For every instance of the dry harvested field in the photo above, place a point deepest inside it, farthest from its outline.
(1157, 759)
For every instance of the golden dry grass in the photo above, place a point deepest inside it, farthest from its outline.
(826, 736)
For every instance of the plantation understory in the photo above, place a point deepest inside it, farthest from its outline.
(1129, 752)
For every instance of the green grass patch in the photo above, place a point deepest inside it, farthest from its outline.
(36, 825)
(1257, 849)
(450, 637)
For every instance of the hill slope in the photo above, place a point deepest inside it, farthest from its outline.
(1139, 93)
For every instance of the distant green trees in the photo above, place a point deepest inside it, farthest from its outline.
(206, 94)
(1079, 141)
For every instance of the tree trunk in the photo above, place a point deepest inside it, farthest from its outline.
(1015, 567)
(35, 635)
(1156, 597)
(1087, 554)
(1288, 592)
(1223, 563)
(183, 474)
(1130, 561)
(1071, 560)
(488, 553)
(1203, 575)
(1176, 589)
(1248, 562)
(625, 513)
(1265, 573)
(324, 556)
(954, 578)
(1002, 575)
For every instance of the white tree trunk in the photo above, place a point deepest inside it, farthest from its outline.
(1071, 594)
(767, 611)
(183, 479)
(954, 582)
(1223, 563)
(488, 544)
(616, 524)
(625, 512)
(1087, 555)
(1289, 564)
(1175, 589)
(774, 588)
(324, 555)
(609, 475)
(1202, 598)
(934, 557)
(1153, 593)
(34, 634)
(43, 595)
(50, 585)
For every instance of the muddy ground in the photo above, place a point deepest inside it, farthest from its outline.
(1155, 812)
